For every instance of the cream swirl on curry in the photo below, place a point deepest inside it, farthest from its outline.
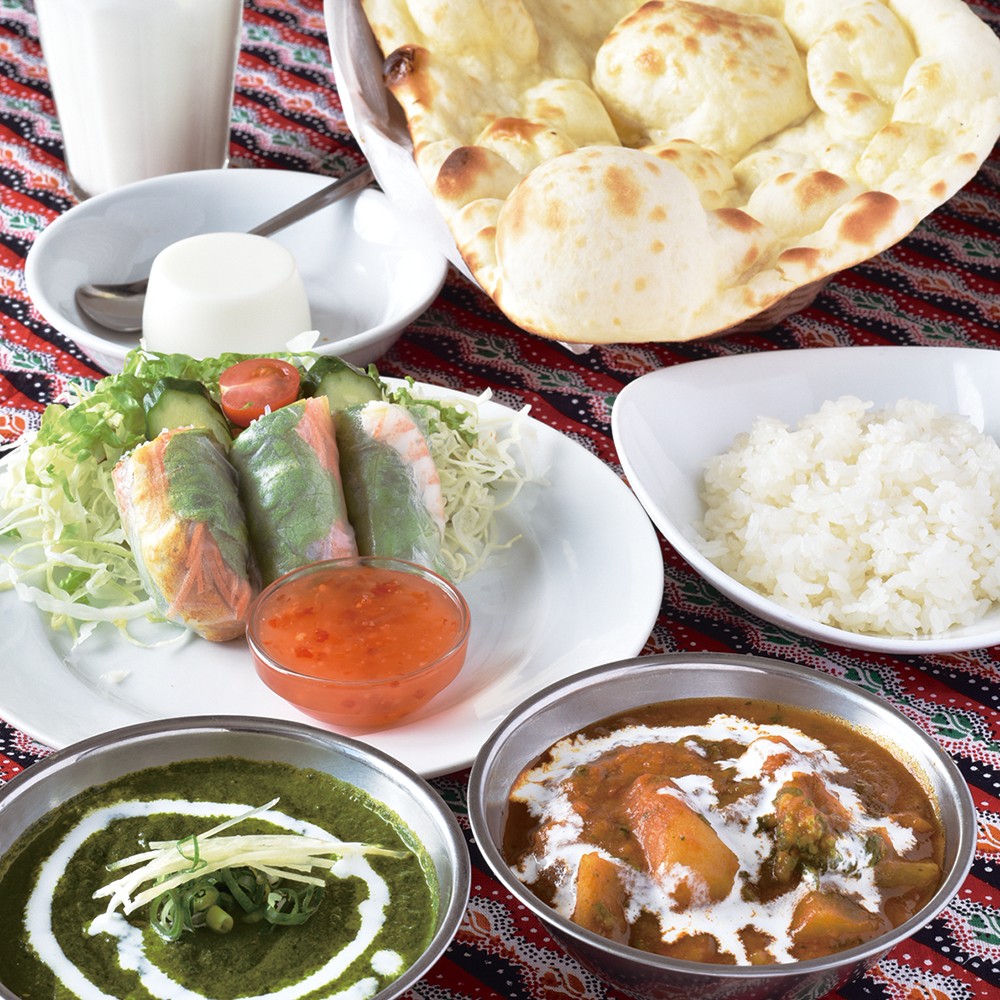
(726, 830)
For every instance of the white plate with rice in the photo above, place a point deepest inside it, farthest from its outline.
(872, 523)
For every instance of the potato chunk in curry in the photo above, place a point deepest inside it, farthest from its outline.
(673, 837)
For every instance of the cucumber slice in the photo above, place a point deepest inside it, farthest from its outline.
(178, 402)
(341, 383)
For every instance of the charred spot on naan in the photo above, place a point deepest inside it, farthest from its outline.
(470, 173)
(402, 66)
(868, 218)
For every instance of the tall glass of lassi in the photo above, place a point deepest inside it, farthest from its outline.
(141, 87)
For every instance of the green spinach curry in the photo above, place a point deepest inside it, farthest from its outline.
(376, 915)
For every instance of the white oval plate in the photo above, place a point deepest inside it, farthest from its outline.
(541, 611)
(365, 278)
(668, 423)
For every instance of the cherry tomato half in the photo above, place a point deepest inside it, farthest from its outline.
(250, 388)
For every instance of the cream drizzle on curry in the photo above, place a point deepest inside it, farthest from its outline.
(131, 945)
(726, 831)
(59, 939)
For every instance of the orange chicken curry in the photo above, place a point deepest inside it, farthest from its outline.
(727, 831)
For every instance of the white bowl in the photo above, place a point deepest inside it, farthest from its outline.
(667, 424)
(378, 124)
(365, 277)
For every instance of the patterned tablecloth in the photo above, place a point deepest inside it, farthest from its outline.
(940, 287)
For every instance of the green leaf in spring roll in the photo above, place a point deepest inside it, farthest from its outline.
(179, 507)
(391, 483)
(289, 481)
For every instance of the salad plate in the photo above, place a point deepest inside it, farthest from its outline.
(540, 610)
(667, 424)
(365, 278)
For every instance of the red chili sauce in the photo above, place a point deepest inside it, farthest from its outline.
(364, 633)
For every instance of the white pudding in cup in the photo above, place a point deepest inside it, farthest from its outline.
(220, 292)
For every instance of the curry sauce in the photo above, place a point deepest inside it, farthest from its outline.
(727, 831)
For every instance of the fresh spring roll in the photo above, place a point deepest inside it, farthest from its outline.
(290, 488)
(180, 509)
(392, 485)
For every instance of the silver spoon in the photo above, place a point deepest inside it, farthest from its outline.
(118, 307)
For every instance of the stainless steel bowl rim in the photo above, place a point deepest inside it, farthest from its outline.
(867, 953)
(449, 918)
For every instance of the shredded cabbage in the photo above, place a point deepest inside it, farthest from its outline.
(64, 549)
(68, 554)
(480, 474)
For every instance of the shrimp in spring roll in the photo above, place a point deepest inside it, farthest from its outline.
(179, 506)
(290, 488)
(392, 485)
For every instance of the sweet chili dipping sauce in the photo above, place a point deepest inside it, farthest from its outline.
(361, 641)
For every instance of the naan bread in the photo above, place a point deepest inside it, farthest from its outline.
(621, 172)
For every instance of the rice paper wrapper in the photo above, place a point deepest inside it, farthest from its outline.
(180, 509)
(289, 484)
(391, 483)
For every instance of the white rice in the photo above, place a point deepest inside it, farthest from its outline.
(877, 521)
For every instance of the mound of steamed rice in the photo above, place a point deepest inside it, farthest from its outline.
(875, 521)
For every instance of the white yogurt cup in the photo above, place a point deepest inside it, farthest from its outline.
(220, 292)
(142, 87)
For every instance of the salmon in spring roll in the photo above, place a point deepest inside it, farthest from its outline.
(178, 500)
(392, 485)
(288, 467)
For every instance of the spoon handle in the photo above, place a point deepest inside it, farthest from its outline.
(113, 299)
(358, 178)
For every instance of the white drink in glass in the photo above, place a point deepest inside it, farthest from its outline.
(141, 87)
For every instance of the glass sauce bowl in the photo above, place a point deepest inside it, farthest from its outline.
(362, 641)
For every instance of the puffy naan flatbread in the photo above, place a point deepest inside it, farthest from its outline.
(621, 172)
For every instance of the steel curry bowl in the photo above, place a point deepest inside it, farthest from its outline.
(596, 694)
(332, 775)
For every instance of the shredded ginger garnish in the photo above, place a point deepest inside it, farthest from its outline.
(168, 864)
